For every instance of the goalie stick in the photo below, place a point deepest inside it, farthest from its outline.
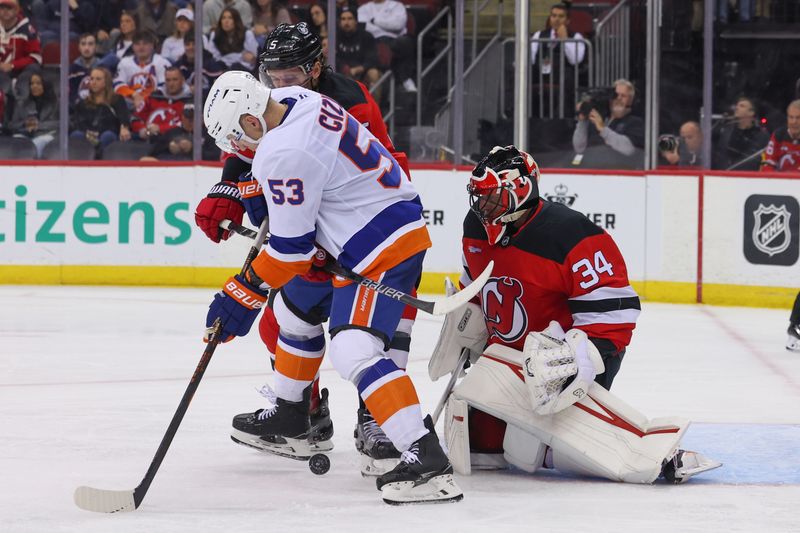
(122, 501)
(439, 307)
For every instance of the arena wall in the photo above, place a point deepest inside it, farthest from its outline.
(687, 237)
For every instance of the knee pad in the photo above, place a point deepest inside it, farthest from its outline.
(292, 324)
(523, 450)
(352, 351)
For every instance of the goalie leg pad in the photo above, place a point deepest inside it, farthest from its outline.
(456, 433)
(463, 328)
(523, 449)
(599, 436)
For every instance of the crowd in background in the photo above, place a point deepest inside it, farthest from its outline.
(133, 79)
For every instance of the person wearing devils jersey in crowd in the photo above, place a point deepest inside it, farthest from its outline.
(550, 263)
(292, 56)
(783, 150)
(163, 109)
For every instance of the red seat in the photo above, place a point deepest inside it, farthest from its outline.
(580, 21)
(51, 53)
(384, 55)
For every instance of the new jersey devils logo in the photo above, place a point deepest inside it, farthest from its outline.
(503, 309)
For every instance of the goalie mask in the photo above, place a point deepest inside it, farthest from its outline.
(503, 185)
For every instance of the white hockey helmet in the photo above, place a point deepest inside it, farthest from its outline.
(234, 94)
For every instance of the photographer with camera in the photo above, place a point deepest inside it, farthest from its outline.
(613, 142)
(685, 150)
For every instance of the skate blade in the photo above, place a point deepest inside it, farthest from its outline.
(439, 489)
(376, 467)
(297, 449)
(687, 474)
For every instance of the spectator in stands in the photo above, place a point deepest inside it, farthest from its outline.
(232, 43)
(746, 9)
(319, 19)
(212, 68)
(103, 116)
(163, 108)
(617, 137)
(783, 150)
(158, 16)
(20, 49)
(742, 139)
(120, 43)
(2, 112)
(386, 20)
(142, 73)
(212, 10)
(108, 18)
(80, 68)
(267, 14)
(686, 150)
(172, 47)
(36, 115)
(549, 64)
(177, 143)
(355, 50)
(47, 16)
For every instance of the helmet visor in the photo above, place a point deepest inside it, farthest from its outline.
(490, 205)
(275, 79)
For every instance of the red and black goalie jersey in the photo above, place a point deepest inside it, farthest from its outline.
(558, 266)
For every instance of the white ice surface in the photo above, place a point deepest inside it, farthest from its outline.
(90, 377)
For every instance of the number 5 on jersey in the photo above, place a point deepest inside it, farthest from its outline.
(590, 272)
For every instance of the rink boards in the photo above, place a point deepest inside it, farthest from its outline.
(686, 237)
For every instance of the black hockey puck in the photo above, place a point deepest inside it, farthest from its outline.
(319, 464)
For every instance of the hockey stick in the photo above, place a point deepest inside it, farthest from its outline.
(439, 307)
(122, 501)
(462, 360)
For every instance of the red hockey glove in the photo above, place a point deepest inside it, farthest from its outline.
(317, 273)
(222, 202)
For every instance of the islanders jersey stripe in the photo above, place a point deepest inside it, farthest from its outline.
(277, 273)
(387, 391)
(292, 249)
(383, 231)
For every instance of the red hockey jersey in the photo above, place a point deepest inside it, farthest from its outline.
(782, 152)
(558, 266)
(20, 45)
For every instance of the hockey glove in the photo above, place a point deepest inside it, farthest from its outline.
(559, 367)
(317, 273)
(222, 202)
(253, 198)
(237, 305)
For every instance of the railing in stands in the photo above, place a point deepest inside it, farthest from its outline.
(612, 45)
(445, 52)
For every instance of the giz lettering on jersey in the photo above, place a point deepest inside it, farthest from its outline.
(244, 298)
(506, 317)
(331, 116)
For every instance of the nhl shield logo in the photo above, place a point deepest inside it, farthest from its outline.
(771, 229)
(771, 232)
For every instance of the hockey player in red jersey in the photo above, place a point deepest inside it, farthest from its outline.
(550, 331)
(292, 56)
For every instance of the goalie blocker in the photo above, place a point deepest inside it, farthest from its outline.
(590, 432)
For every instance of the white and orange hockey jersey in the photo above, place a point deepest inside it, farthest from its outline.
(328, 180)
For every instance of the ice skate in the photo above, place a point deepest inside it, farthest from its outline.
(283, 430)
(423, 475)
(793, 342)
(321, 424)
(685, 465)
(378, 454)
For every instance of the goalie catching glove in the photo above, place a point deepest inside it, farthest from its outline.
(559, 367)
(237, 305)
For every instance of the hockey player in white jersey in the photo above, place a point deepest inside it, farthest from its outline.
(329, 183)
